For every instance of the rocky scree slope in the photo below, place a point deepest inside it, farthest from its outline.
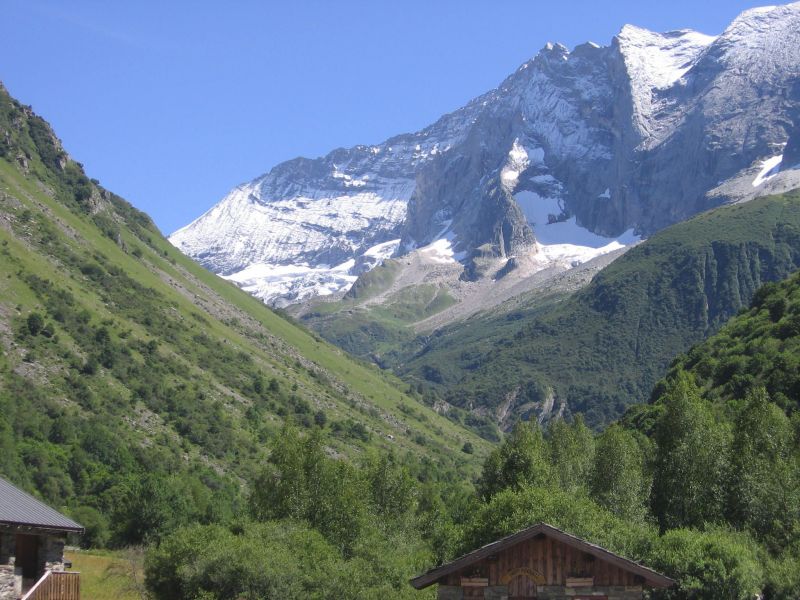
(633, 136)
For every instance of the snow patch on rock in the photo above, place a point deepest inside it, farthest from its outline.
(656, 61)
(440, 251)
(768, 169)
(280, 285)
(384, 250)
(559, 239)
(517, 162)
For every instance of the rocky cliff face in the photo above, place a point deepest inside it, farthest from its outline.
(636, 135)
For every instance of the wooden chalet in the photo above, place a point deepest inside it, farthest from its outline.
(32, 537)
(542, 562)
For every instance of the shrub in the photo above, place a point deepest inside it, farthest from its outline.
(35, 323)
(710, 565)
(96, 534)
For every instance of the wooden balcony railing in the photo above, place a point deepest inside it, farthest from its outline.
(56, 585)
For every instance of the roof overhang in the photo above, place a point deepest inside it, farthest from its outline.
(20, 510)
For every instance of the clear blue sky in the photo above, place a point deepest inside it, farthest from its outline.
(172, 103)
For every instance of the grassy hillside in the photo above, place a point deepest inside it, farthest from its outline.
(126, 368)
(605, 347)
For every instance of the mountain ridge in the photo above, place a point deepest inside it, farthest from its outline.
(636, 135)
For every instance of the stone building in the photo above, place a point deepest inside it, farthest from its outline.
(32, 537)
(542, 562)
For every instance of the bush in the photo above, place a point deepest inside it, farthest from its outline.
(212, 561)
(710, 565)
(783, 576)
(35, 323)
(96, 533)
(279, 559)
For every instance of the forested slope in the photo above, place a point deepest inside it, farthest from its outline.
(758, 347)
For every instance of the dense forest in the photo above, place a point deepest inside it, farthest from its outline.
(704, 491)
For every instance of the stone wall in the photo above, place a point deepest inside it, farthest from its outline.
(50, 558)
(10, 583)
(51, 553)
(10, 578)
(495, 592)
(450, 592)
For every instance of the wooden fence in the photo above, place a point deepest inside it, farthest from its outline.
(56, 585)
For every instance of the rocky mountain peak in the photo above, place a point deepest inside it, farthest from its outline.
(554, 50)
(632, 136)
(761, 19)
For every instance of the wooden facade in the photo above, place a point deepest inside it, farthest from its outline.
(541, 562)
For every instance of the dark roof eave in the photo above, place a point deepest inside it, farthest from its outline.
(42, 528)
(652, 578)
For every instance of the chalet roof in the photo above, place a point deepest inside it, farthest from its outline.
(652, 578)
(20, 509)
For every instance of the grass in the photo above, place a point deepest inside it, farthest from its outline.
(379, 330)
(374, 282)
(109, 575)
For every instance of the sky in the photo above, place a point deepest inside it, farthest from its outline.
(172, 104)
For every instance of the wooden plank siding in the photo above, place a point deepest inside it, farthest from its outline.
(551, 560)
(544, 556)
(56, 585)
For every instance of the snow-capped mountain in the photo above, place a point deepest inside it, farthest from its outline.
(606, 141)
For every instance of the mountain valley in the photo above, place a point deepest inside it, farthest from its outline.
(567, 313)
